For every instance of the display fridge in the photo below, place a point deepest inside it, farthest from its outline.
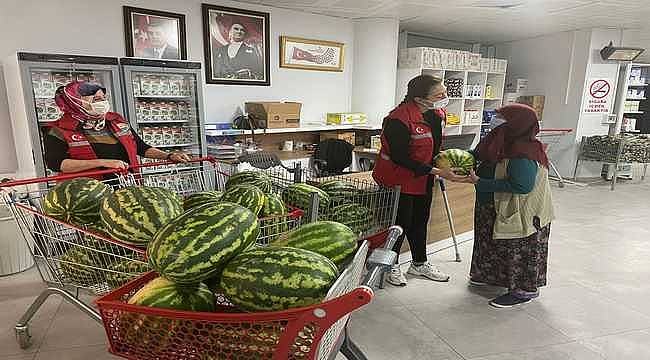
(164, 104)
(31, 80)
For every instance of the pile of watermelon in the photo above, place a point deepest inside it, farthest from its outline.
(204, 245)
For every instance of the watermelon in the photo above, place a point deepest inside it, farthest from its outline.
(125, 271)
(134, 214)
(257, 178)
(277, 278)
(196, 245)
(80, 266)
(273, 218)
(459, 161)
(299, 195)
(328, 238)
(355, 216)
(162, 293)
(76, 201)
(201, 198)
(248, 196)
(339, 189)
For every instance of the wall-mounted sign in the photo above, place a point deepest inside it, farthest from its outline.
(599, 96)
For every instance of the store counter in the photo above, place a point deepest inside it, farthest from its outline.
(461, 201)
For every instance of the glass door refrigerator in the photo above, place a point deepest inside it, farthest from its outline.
(32, 80)
(164, 102)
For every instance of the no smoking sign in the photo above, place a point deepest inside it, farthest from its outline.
(599, 89)
(598, 99)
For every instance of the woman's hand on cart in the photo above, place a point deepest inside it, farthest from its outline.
(113, 164)
(179, 157)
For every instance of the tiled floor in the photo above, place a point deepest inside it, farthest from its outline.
(595, 307)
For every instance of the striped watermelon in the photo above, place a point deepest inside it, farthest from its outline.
(299, 195)
(277, 278)
(328, 238)
(125, 271)
(81, 266)
(339, 189)
(273, 218)
(134, 214)
(76, 201)
(248, 196)
(459, 161)
(196, 245)
(356, 217)
(257, 178)
(201, 198)
(162, 293)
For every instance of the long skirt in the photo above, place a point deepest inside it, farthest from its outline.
(516, 264)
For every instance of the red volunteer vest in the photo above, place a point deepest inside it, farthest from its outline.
(420, 149)
(79, 147)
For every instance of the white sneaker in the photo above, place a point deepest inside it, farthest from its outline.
(428, 271)
(396, 276)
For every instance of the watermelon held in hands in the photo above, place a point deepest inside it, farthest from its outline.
(459, 161)
(257, 178)
(246, 195)
(277, 278)
(134, 214)
(196, 246)
(201, 198)
(333, 240)
(76, 201)
(162, 293)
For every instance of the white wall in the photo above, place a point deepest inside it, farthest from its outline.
(96, 27)
(375, 67)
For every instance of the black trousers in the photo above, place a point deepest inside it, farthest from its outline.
(413, 216)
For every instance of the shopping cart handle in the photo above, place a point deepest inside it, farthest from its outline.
(91, 174)
(381, 259)
(209, 159)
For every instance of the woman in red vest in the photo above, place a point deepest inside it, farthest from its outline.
(411, 137)
(89, 136)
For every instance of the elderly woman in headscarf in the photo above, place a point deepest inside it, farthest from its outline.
(513, 210)
(89, 136)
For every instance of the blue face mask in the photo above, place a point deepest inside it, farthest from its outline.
(496, 122)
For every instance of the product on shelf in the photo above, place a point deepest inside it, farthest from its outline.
(454, 87)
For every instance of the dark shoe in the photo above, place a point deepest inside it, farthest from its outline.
(476, 282)
(507, 301)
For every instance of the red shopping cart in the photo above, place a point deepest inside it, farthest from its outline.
(314, 332)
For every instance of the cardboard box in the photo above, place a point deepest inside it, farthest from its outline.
(341, 135)
(346, 118)
(275, 115)
(534, 101)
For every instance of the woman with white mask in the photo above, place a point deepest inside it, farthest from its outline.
(411, 137)
(89, 136)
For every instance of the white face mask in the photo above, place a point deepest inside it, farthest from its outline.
(100, 107)
(440, 104)
(496, 121)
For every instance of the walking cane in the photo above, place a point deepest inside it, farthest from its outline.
(450, 218)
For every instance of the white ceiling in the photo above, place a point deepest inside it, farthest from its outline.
(484, 21)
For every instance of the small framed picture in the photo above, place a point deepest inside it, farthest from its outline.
(154, 34)
(306, 54)
(236, 46)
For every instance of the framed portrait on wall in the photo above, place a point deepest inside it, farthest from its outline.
(236, 46)
(154, 34)
(306, 54)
